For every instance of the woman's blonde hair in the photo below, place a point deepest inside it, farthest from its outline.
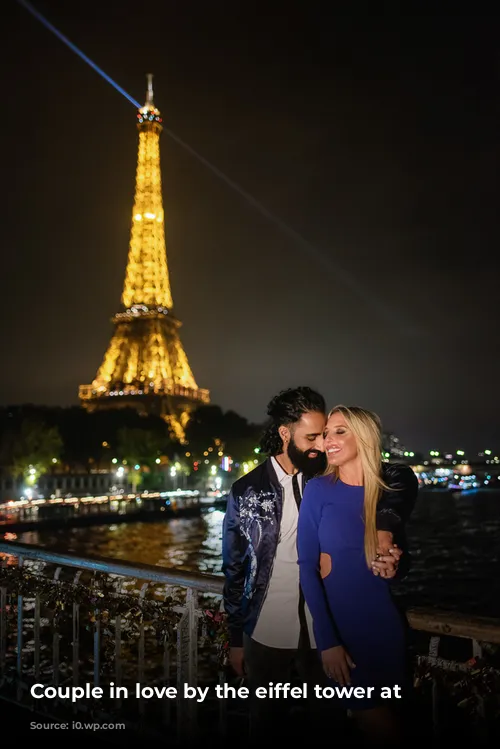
(367, 430)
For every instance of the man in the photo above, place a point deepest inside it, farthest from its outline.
(270, 628)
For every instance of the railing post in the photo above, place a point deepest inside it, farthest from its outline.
(477, 652)
(55, 638)
(140, 673)
(19, 664)
(433, 653)
(36, 636)
(118, 646)
(187, 665)
(192, 601)
(3, 630)
(166, 678)
(76, 637)
(97, 640)
(222, 707)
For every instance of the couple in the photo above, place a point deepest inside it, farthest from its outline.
(309, 589)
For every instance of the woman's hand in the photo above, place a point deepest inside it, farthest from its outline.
(337, 664)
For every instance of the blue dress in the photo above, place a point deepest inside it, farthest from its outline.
(350, 606)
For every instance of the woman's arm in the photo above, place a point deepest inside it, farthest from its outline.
(310, 579)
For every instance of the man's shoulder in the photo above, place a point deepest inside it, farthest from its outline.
(253, 479)
(399, 475)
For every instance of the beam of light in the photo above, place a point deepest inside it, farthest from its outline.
(347, 279)
(75, 49)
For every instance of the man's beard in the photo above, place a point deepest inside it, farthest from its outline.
(308, 466)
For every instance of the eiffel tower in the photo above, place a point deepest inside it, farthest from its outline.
(145, 366)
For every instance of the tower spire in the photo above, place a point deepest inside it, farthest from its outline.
(149, 96)
(147, 278)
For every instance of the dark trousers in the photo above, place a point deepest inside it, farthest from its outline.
(279, 716)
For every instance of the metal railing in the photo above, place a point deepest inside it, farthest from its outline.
(69, 621)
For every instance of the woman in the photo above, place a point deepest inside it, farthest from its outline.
(357, 626)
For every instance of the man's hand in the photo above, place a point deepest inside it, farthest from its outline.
(337, 664)
(388, 556)
(236, 660)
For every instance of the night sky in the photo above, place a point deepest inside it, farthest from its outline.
(374, 138)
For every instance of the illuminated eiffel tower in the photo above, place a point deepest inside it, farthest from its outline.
(145, 366)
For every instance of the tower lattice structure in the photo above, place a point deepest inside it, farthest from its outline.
(145, 366)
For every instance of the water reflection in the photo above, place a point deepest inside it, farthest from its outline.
(455, 544)
(181, 543)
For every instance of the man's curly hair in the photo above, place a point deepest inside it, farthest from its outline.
(287, 408)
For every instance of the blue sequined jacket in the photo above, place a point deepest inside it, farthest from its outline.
(251, 530)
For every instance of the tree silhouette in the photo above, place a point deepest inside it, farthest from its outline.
(31, 450)
(140, 447)
(210, 427)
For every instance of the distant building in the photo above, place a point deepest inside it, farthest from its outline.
(392, 445)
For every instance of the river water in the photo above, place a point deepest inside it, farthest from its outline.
(454, 541)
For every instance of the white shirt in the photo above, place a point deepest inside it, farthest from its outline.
(278, 625)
